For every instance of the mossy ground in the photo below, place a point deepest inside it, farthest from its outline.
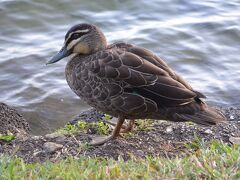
(213, 160)
(100, 128)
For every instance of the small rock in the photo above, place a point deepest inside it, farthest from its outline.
(36, 153)
(22, 135)
(208, 131)
(169, 129)
(140, 153)
(51, 147)
(36, 138)
(51, 136)
(234, 140)
(60, 138)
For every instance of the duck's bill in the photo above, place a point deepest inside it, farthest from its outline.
(60, 55)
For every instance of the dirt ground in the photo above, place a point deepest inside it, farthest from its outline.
(158, 138)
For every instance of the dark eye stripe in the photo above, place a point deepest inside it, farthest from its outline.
(75, 36)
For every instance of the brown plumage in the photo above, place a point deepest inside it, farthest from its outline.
(128, 81)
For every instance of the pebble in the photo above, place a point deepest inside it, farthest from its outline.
(140, 153)
(36, 153)
(234, 140)
(22, 135)
(60, 138)
(36, 138)
(52, 135)
(51, 147)
(208, 131)
(169, 129)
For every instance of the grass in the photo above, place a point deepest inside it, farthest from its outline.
(7, 137)
(213, 160)
(144, 124)
(205, 160)
(100, 128)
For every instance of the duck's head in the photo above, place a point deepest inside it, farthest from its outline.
(81, 39)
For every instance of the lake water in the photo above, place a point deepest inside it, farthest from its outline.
(198, 39)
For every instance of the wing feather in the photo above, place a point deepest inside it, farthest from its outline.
(140, 72)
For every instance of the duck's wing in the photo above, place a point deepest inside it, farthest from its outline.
(157, 61)
(154, 59)
(137, 74)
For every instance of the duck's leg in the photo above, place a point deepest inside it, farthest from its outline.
(124, 128)
(129, 127)
(115, 133)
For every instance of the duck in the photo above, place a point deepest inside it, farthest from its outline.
(128, 82)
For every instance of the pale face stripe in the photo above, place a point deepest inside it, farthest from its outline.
(73, 43)
(78, 31)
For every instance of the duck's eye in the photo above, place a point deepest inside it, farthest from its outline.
(77, 35)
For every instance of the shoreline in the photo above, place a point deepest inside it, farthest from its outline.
(154, 138)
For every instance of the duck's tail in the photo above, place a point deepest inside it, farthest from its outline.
(205, 116)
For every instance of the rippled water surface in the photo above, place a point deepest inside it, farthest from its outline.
(199, 39)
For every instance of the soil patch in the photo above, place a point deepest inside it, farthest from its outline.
(159, 138)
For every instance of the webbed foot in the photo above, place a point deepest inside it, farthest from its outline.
(116, 132)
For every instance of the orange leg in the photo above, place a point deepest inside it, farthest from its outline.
(124, 128)
(115, 133)
(129, 127)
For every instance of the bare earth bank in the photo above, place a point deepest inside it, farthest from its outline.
(158, 138)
